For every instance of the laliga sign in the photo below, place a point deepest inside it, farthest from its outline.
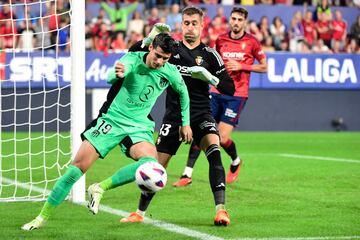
(329, 70)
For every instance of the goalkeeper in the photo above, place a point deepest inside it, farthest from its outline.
(139, 79)
(195, 61)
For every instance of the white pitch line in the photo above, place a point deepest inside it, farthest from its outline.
(319, 158)
(178, 229)
(304, 238)
(160, 224)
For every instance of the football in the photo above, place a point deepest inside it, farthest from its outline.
(151, 177)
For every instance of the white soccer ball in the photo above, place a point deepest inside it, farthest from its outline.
(151, 177)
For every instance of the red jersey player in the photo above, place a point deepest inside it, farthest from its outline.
(238, 50)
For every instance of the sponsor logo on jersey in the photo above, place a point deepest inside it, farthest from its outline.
(163, 82)
(233, 55)
(183, 70)
(199, 60)
(146, 93)
(95, 133)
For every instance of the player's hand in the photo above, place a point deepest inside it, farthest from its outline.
(203, 74)
(185, 134)
(158, 28)
(119, 70)
(233, 65)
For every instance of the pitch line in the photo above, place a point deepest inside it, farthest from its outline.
(319, 158)
(304, 238)
(175, 228)
(160, 224)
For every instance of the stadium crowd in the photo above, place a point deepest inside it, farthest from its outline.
(118, 25)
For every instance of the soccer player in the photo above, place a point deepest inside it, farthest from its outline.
(194, 61)
(238, 49)
(123, 120)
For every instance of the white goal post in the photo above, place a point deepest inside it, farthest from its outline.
(42, 96)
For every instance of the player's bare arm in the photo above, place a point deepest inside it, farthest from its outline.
(185, 134)
(233, 65)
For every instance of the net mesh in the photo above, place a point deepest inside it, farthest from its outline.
(35, 69)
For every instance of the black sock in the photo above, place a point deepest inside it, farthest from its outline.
(216, 173)
(194, 153)
(233, 168)
(230, 149)
(145, 200)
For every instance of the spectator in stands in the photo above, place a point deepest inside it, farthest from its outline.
(310, 33)
(320, 47)
(218, 27)
(27, 38)
(221, 14)
(103, 39)
(88, 38)
(136, 24)
(277, 30)
(296, 33)
(352, 47)
(267, 44)
(103, 16)
(118, 44)
(323, 28)
(264, 27)
(323, 7)
(254, 30)
(54, 19)
(132, 39)
(119, 15)
(153, 18)
(176, 33)
(355, 30)
(174, 16)
(42, 33)
(339, 31)
(8, 34)
(172, 2)
(63, 36)
(287, 2)
(206, 21)
(248, 2)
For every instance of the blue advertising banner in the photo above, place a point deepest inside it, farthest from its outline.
(285, 70)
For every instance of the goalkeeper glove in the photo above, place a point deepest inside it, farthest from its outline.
(203, 74)
(158, 28)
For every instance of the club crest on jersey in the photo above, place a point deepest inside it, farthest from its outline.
(199, 60)
(243, 46)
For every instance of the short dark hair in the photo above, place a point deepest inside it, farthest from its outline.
(191, 10)
(164, 41)
(240, 10)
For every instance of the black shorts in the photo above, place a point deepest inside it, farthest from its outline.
(168, 139)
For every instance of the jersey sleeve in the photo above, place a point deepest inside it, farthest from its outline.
(226, 84)
(177, 83)
(258, 53)
(128, 60)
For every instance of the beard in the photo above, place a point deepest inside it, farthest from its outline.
(236, 30)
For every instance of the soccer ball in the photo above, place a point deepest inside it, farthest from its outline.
(151, 177)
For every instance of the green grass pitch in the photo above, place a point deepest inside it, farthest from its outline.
(292, 185)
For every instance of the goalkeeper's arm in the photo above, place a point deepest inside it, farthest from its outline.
(225, 85)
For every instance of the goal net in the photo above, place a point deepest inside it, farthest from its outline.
(37, 95)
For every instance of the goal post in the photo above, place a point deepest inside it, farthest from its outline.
(42, 96)
(77, 88)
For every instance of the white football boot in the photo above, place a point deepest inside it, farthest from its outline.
(95, 193)
(37, 223)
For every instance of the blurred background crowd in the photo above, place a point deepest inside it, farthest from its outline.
(113, 25)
